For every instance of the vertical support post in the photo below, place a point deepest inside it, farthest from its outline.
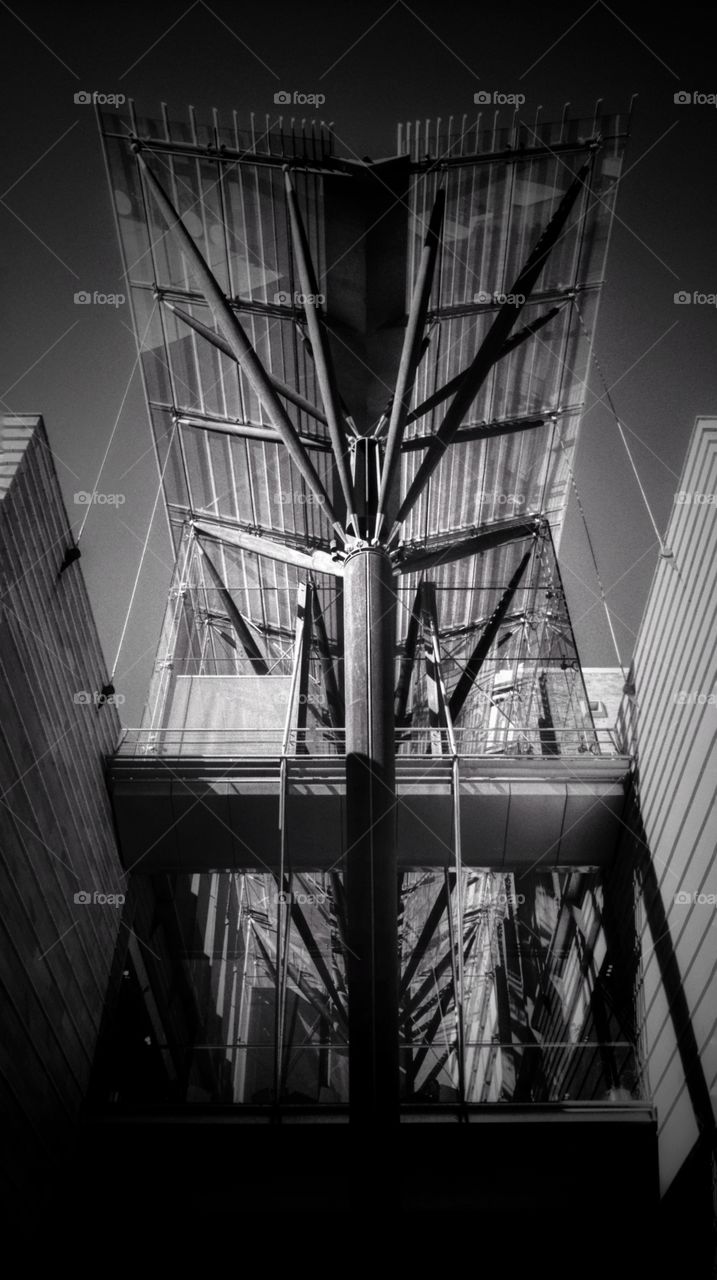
(331, 688)
(371, 861)
(460, 972)
(300, 668)
(437, 700)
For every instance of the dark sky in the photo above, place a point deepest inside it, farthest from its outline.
(376, 64)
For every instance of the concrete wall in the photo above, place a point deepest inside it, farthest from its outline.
(604, 687)
(56, 835)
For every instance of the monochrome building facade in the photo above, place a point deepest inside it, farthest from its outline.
(378, 831)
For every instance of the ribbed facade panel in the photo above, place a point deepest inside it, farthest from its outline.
(672, 726)
(56, 833)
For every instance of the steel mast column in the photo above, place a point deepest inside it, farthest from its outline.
(371, 862)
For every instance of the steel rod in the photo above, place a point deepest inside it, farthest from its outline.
(319, 561)
(516, 340)
(492, 345)
(241, 627)
(320, 347)
(222, 345)
(410, 355)
(235, 336)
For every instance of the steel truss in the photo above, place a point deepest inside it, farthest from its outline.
(332, 969)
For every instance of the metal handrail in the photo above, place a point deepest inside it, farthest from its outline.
(324, 741)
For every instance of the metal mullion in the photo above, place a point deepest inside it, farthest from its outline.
(272, 567)
(301, 421)
(173, 390)
(204, 644)
(245, 239)
(522, 249)
(262, 255)
(225, 215)
(476, 325)
(232, 477)
(164, 677)
(454, 255)
(219, 184)
(131, 289)
(463, 335)
(490, 386)
(207, 242)
(407, 469)
(182, 263)
(577, 254)
(427, 201)
(163, 330)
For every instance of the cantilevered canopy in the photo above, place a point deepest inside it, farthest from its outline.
(440, 310)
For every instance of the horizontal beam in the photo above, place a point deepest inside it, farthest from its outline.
(319, 561)
(481, 431)
(243, 430)
(487, 539)
(539, 298)
(230, 156)
(498, 427)
(512, 155)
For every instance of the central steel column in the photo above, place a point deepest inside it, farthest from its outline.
(371, 865)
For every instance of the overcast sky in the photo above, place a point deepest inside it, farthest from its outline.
(376, 64)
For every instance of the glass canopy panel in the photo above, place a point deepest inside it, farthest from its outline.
(499, 198)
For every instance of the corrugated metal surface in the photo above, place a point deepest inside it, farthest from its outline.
(56, 833)
(673, 724)
(502, 187)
